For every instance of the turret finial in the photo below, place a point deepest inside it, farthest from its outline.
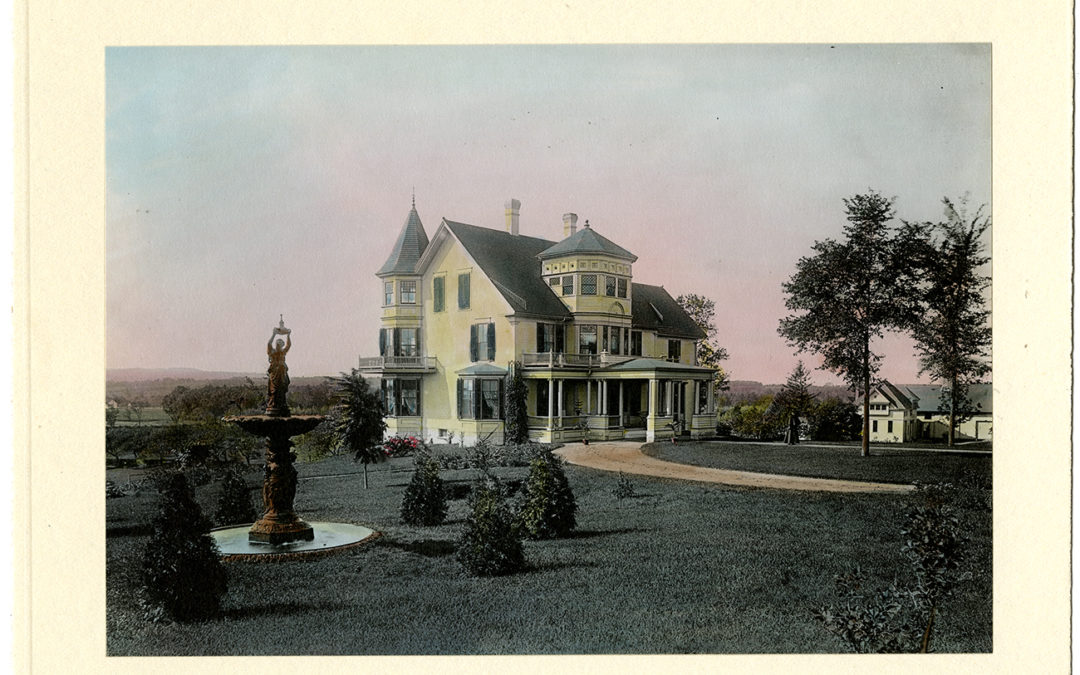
(414, 197)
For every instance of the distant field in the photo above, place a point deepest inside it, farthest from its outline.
(150, 417)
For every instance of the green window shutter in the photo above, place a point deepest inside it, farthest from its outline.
(438, 291)
(491, 341)
(460, 395)
(463, 291)
(382, 342)
(560, 338)
(419, 390)
(473, 348)
(397, 342)
(540, 341)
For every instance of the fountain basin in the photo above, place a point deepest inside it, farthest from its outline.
(328, 538)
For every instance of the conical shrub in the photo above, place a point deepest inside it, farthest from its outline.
(182, 573)
(234, 506)
(424, 502)
(490, 544)
(547, 505)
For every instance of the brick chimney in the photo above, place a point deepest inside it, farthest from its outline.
(513, 216)
(569, 224)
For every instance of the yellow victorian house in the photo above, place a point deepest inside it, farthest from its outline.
(603, 357)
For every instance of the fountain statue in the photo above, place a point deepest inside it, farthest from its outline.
(279, 524)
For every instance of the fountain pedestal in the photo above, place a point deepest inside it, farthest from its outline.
(279, 523)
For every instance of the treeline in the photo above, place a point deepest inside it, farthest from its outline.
(213, 401)
(828, 419)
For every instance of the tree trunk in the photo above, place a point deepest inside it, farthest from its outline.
(365, 476)
(925, 648)
(952, 412)
(866, 398)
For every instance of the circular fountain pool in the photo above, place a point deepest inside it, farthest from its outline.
(329, 538)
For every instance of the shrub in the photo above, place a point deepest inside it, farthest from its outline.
(517, 415)
(396, 446)
(182, 574)
(624, 488)
(490, 544)
(424, 502)
(234, 500)
(547, 504)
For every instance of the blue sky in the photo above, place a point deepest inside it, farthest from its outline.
(247, 182)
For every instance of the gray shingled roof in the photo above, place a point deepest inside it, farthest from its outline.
(510, 262)
(929, 396)
(409, 247)
(653, 308)
(586, 240)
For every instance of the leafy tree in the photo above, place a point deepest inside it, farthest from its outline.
(424, 502)
(703, 311)
(834, 419)
(794, 400)
(849, 292)
(547, 503)
(755, 419)
(953, 337)
(358, 419)
(182, 574)
(112, 414)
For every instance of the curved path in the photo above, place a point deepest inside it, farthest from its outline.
(627, 457)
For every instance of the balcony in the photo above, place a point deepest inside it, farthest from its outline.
(412, 364)
(571, 361)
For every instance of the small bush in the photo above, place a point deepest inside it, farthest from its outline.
(490, 544)
(424, 502)
(234, 504)
(396, 446)
(182, 574)
(624, 488)
(547, 504)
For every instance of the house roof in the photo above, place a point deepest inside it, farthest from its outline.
(648, 364)
(511, 262)
(410, 245)
(895, 394)
(929, 395)
(653, 308)
(586, 240)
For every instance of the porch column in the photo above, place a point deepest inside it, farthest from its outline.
(551, 400)
(650, 428)
(560, 398)
(711, 393)
(588, 397)
(670, 396)
(622, 410)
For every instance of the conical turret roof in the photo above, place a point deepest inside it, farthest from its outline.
(410, 245)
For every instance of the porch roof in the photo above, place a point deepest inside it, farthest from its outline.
(647, 366)
(483, 370)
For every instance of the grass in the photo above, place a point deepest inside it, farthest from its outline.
(885, 465)
(679, 568)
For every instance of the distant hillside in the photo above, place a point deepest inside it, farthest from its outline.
(747, 390)
(145, 374)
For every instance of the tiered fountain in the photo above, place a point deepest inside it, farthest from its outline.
(280, 531)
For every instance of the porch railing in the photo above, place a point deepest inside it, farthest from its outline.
(397, 362)
(564, 360)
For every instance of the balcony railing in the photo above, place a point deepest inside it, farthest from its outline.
(562, 360)
(397, 362)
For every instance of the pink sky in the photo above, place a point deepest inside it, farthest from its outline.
(248, 182)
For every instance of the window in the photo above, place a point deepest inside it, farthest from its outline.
(588, 284)
(480, 399)
(438, 292)
(614, 346)
(888, 426)
(555, 281)
(604, 338)
(408, 292)
(661, 394)
(463, 291)
(609, 285)
(635, 343)
(408, 342)
(622, 288)
(703, 398)
(674, 350)
(410, 398)
(873, 426)
(542, 392)
(550, 338)
(401, 397)
(626, 340)
(568, 284)
(586, 339)
(482, 342)
(388, 293)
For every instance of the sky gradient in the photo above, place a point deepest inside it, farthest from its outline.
(243, 183)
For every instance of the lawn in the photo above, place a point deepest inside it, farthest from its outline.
(678, 568)
(886, 465)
